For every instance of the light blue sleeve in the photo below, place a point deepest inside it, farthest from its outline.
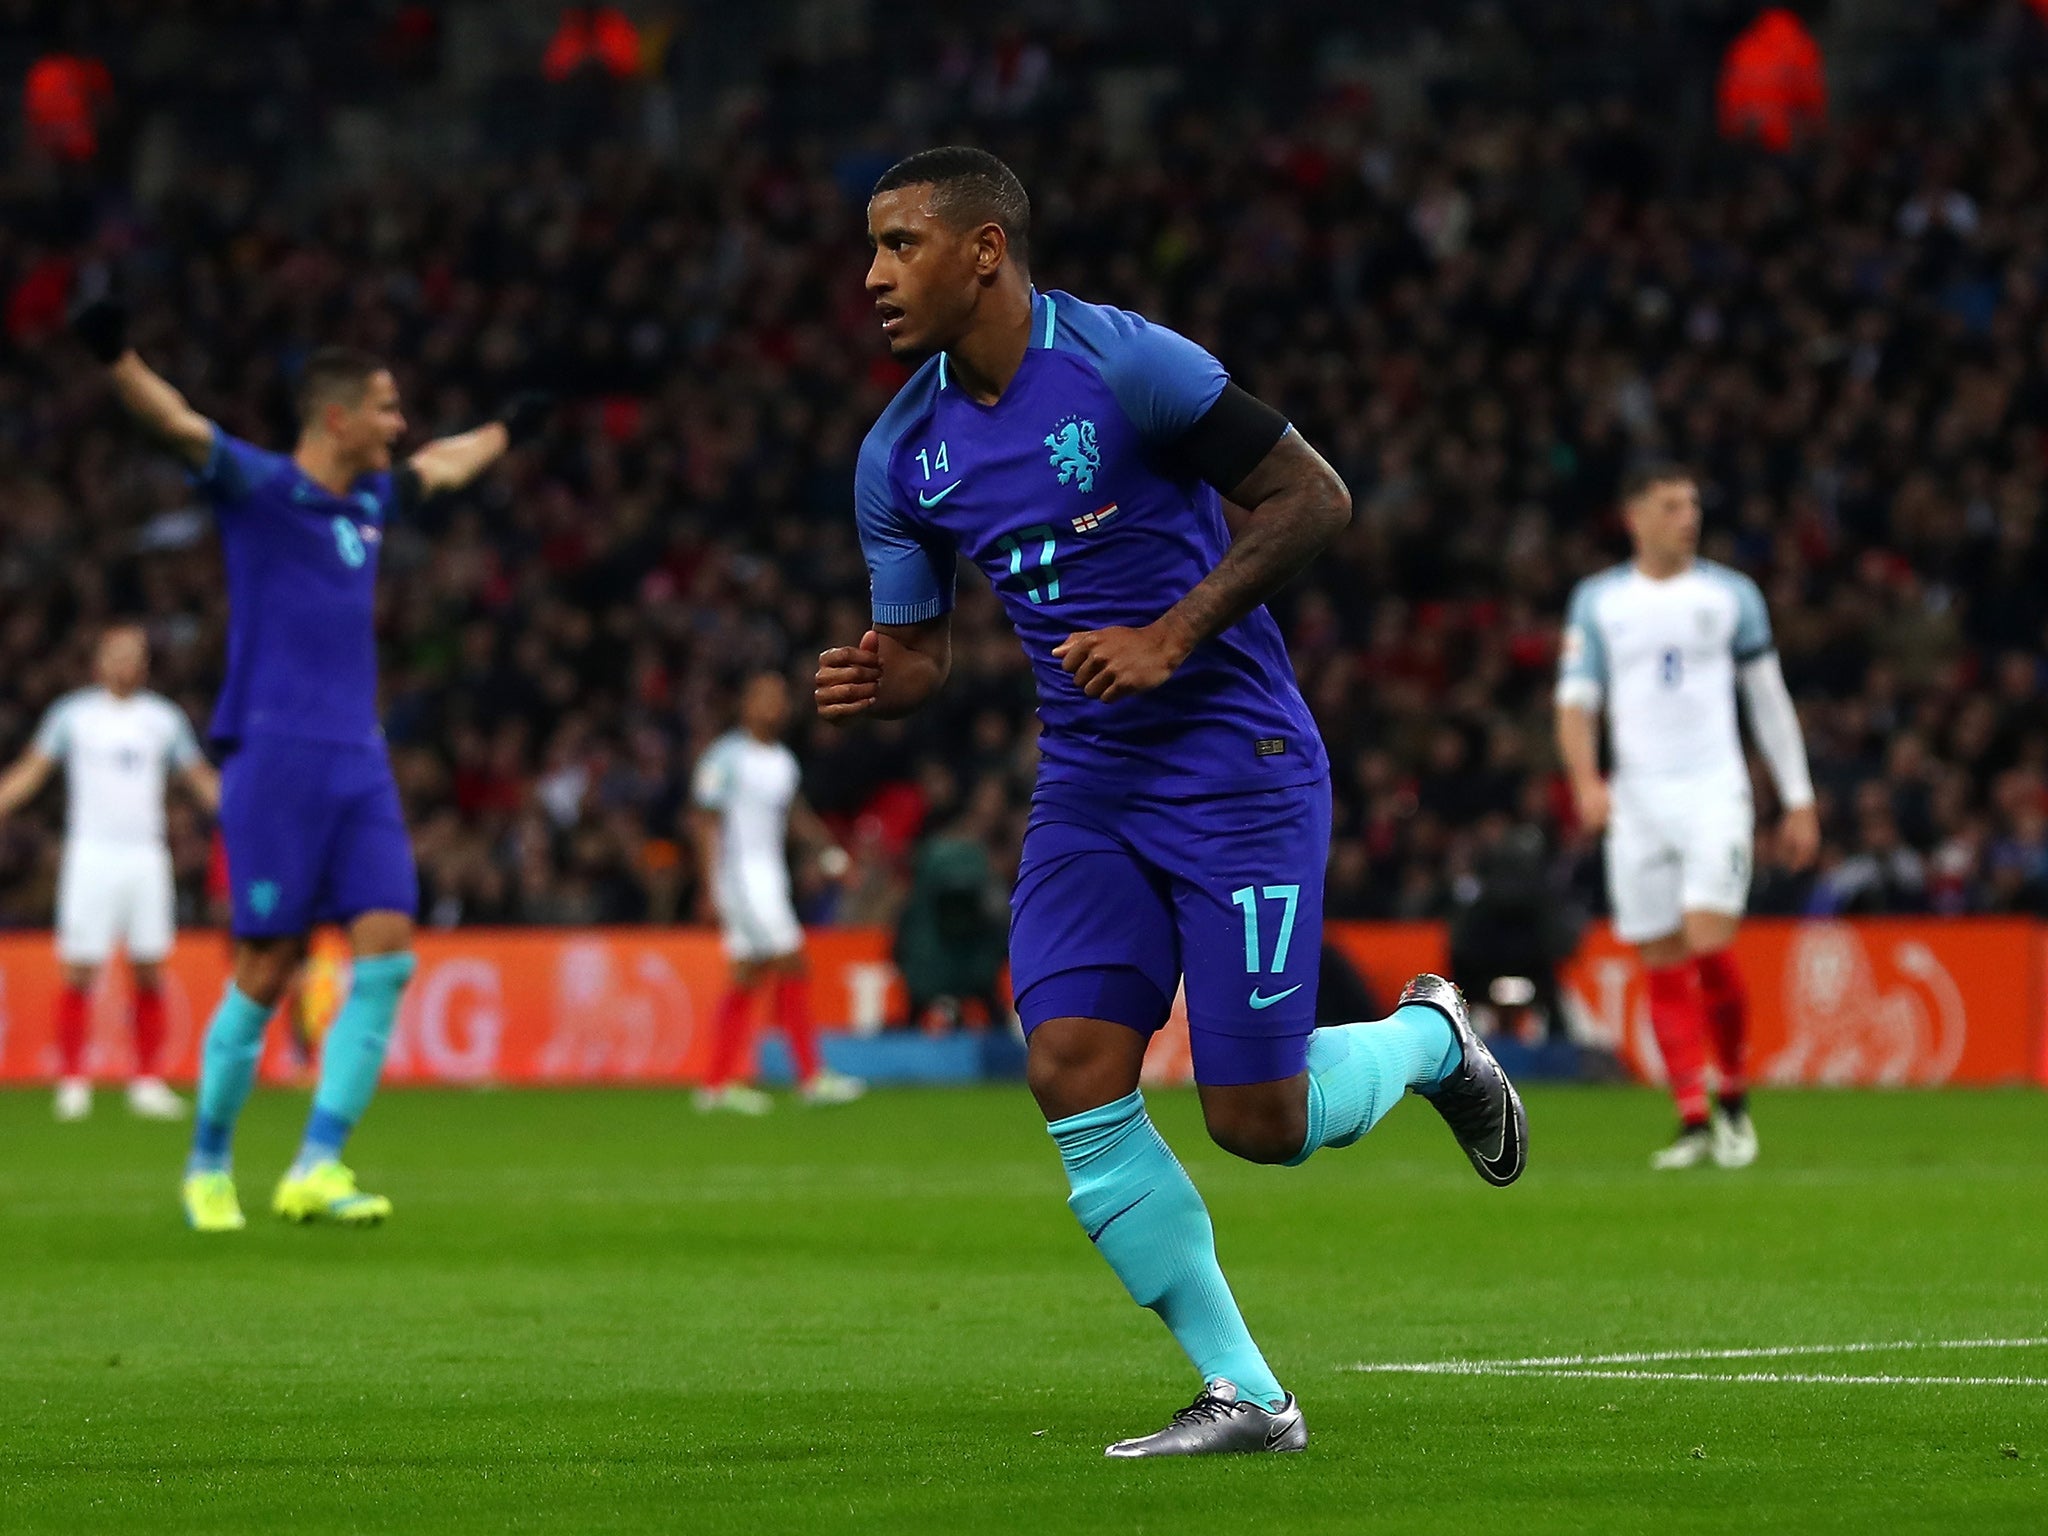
(1752, 621)
(1583, 658)
(53, 736)
(183, 751)
(910, 570)
(712, 785)
(1164, 382)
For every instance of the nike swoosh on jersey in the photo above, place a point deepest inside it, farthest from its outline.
(932, 501)
(1260, 1000)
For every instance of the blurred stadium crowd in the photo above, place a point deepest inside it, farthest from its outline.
(1481, 308)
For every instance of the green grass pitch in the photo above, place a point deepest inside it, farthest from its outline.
(602, 1312)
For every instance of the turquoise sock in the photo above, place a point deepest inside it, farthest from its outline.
(1357, 1072)
(354, 1056)
(1140, 1210)
(227, 1071)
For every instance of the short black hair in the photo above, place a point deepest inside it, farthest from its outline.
(969, 187)
(1650, 473)
(335, 375)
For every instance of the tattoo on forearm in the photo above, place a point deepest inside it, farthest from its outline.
(1277, 544)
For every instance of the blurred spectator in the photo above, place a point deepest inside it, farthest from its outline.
(1512, 928)
(1480, 304)
(1774, 88)
(953, 937)
(62, 99)
(1879, 874)
(594, 50)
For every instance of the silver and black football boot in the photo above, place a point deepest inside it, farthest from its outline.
(1477, 1101)
(1218, 1423)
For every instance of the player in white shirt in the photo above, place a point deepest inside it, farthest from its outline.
(1665, 642)
(745, 794)
(117, 743)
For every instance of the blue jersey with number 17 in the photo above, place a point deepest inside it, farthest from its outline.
(302, 597)
(1068, 494)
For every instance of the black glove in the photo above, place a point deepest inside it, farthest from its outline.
(526, 413)
(102, 326)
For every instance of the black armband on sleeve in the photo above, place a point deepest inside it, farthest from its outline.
(408, 495)
(1232, 438)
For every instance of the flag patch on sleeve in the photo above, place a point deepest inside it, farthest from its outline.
(1088, 522)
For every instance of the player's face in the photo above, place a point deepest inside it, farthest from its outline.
(367, 432)
(764, 707)
(122, 663)
(926, 277)
(1664, 521)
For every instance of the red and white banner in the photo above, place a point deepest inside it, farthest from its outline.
(1871, 1002)
(516, 1006)
(1880, 1001)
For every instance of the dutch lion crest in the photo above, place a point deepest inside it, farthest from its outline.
(1073, 452)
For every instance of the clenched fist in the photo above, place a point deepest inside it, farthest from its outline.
(849, 677)
(1114, 663)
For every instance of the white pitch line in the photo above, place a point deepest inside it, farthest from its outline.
(1579, 1366)
(1792, 1377)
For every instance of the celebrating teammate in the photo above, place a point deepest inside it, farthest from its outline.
(116, 741)
(309, 810)
(746, 794)
(1664, 641)
(1182, 815)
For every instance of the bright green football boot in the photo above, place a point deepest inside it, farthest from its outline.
(210, 1203)
(327, 1192)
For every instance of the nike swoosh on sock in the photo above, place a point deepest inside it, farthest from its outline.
(1096, 1235)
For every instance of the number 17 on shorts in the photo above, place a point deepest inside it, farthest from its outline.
(1252, 934)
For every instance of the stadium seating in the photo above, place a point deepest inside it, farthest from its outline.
(1480, 313)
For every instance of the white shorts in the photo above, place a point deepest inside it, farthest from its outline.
(1677, 848)
(112, 894)
(755, 917)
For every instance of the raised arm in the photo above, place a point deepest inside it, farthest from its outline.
(1295, 503)
(450, 463)
(24, 780)
(157, 406)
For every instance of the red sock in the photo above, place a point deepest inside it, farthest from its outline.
(1678, 1020)
(149, 1031)
(793, 1015)
(1726, 1001)
(728, 1038)
(71, 1025)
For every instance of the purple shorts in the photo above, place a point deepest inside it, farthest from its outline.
(314, 834)
(1119, 899)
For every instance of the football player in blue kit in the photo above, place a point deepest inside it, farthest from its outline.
(1181, 821)
(309, 810)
